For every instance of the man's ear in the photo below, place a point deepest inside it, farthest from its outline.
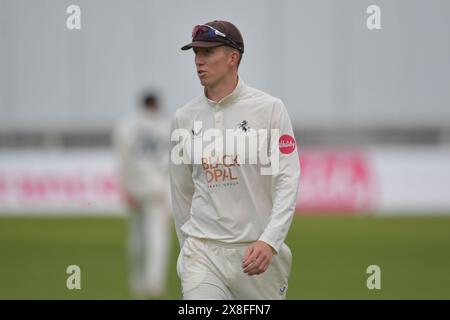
(234, 56)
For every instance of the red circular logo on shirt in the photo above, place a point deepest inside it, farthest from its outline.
(286, 144)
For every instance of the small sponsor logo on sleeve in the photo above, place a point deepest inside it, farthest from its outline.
(286, 144)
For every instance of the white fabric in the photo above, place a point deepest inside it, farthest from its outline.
(211, 270)
(141, 147)
(247, 206)
(149, 247)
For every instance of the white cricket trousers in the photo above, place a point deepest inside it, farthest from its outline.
(149, 248)
(212, 270)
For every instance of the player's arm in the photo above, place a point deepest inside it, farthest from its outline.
(181, 187)
(121, 147)
(285, 183)
(285, 180)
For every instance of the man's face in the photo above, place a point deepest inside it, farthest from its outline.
(213, 64)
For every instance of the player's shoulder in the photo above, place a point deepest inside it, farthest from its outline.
(189, 108)
(259, 96)
(192, 105)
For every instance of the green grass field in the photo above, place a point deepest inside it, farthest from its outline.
(330, 258)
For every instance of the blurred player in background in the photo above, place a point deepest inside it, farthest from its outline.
(231, 220)
(141, 147)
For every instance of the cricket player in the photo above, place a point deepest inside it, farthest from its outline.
(231, 216)
(141, 148)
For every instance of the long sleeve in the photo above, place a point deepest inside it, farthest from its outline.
(285, 180)
(121, 147)
(182, 189)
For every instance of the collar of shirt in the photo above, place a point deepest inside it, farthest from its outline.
(229, 98)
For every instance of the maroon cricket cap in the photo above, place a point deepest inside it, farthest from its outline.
(208, 38)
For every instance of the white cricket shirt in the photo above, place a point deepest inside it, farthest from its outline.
(141, 149)
(227, 198)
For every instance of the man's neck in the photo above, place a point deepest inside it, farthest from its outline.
(221, 90)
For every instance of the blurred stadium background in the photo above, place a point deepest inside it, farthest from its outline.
(371, 111)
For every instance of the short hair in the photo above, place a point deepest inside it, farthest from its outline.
(229, 48)
(150, 100)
